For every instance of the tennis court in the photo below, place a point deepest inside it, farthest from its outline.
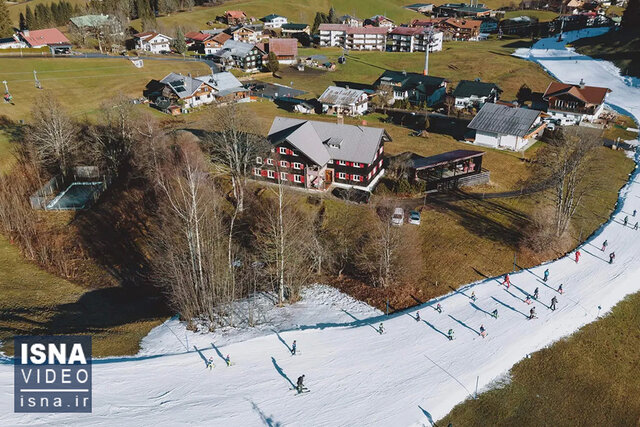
(79, 195)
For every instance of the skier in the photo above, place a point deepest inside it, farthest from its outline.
(228, 360)
(527, 299)
(210, 363)
(536, 294)
(604, 245)
(635, 227)
(507, 280)
(612, 256)
(293, 348)
(417, 316)
(626, 220)
(577, 256)
(300, 387)
(532, 313)
(634, 212)
(381, 329)
(546, 275)
(450, 334)
(494, 313)
(560, 290)
(483, 332)
(554, 301)
(439, 308)
(473, 295)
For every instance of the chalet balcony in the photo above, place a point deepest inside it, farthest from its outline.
(578, 110)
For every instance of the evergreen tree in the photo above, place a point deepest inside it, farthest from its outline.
(29, 19)
(22, 25)
(631, 16)
(54, 10)
(273, 64)
(179, 43)
(6, 26)
(524, 94)
(332, 18)
(321, 18)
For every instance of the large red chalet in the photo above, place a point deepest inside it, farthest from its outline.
(315, 155)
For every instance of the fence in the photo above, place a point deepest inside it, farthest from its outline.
(42, 198)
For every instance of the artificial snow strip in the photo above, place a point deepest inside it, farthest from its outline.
(411, 375)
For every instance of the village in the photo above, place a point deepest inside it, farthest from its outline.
(207, 166)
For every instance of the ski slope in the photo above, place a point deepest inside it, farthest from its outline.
(411, 375)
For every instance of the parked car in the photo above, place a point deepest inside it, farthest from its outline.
(398, 217)
(414, 217)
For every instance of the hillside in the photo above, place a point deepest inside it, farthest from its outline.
(620, 47)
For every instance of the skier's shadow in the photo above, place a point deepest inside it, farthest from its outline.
(206, 362)
(218, 352)
(282, 341)
(480, 309)
(359, 321)
(436, 329)
(513, 295)
(464, 324)
(281, 372)
(427, 414)
(457, 291)
(595, 256)
(508, 306)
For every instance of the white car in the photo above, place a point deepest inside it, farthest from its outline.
(397, 218)
(414, 217)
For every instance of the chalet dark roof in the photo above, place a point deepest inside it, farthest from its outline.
(411, 81)
(291, 26)
(467, 88)
(270, 17)
(323, 141)
(504, 120)
(420, 163)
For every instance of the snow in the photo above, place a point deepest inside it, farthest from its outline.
(411, 375)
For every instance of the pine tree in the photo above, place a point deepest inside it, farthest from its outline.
(332, 18)
(22, 24)
(273, 64)
(179, 43)
(6, 26)
(55, 13)
(29, 19)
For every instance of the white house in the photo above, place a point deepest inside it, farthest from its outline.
(153, 42)
(506, 127)
(415, 39)
(353, 38)
(274, 21)
(12, 42)
(340, 100)
(474, 93)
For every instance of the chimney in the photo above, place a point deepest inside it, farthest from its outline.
(581, 84)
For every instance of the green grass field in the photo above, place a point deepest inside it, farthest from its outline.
(15, 9)
(457, 61)
(588, 379)
(82, 85)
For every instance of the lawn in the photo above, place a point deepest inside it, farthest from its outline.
(589, 378)
(540, 15)
(82, 84)
(457, 61)
(15, 9)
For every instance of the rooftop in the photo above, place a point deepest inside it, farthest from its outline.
(588, 94)
(467, 88)
(411, 81)
(504, 120)
(291, 26)
(420, 162)
(49, 36)
(335, 95)
(283, 47)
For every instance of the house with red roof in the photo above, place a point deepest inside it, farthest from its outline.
(235, 17)
(51, 37)
(286, 50)
(153, 42)
(572, 104)
(196, 39)
(415, 39)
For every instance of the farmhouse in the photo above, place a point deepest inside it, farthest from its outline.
(245, 34)
(316, 155)
(353, 38)
(349, 20)
(340, 100)
(505, 127)
(235, 17)
(196, 39)
(415, 39)
(12, 42)
(286, 50)
(235, 54)
(51, 37)
(415, 87)
(226, 87)
(186, 91)
(273, 21)
(460, 29)
(153, 42)
(380, 21)
(474, 93)
(103, 23)
(573, 104)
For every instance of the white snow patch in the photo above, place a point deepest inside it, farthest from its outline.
(411, 375)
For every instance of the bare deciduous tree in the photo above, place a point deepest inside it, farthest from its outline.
(379, 257)
(53, 134)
